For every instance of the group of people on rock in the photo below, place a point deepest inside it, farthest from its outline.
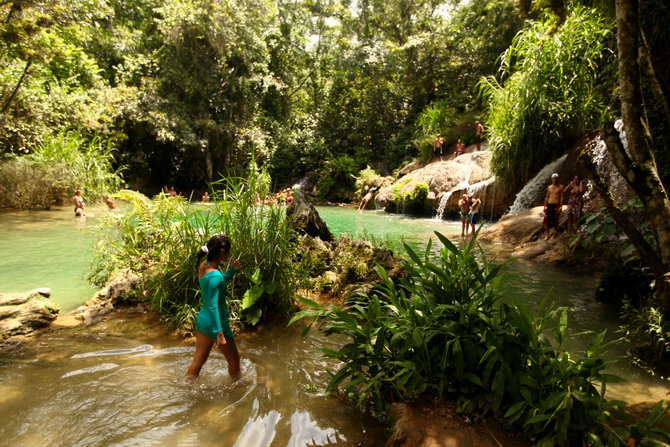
(438, 143)
(553, 203)
(469, 209)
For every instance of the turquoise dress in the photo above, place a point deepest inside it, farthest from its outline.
(213, 316)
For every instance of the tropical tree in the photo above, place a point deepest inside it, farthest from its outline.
(637, 163)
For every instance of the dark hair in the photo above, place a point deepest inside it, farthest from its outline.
(215, 246)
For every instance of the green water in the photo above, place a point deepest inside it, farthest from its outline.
(48, 249)
(121, 382)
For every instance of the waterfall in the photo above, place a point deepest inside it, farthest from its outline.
(465, 184)
(443, 204)
(299, 187)
(477, 187)
(597, 150)
(536, 188)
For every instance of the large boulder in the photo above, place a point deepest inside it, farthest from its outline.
(446, 180)
(22, 313)
(306, 220)
(120, 290)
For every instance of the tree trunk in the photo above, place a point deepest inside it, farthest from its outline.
(638, 165)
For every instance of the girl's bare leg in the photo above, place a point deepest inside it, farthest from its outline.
(203, 344)
(229, 350)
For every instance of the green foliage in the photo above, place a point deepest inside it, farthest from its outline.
(446, 331)
(160, 238)
(556, 84)
(62, 163)
(412, 194)
(337, 177)
(601, 232)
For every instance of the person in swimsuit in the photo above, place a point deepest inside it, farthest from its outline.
(479, 132)
(575, 203)
(474, 211)
(79, 204)
(460, 149)
(437, 147)
(464, 205)
(552, 206)
(211, 324)
(109, 202)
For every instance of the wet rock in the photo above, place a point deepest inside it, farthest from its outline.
(434, 424)
(120, 289)
(22, 313)
(306, 220)
(515, 229)
(447, 180)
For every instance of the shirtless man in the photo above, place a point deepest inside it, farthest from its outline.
(474, 211)
(464, 205)
(367, 198)
(437, 147)
(460, 148)
(479, 131)
(552, 206)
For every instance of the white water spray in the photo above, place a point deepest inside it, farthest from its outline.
(536, 188)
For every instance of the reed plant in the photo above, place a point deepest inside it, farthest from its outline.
(160, 237)
(556, 83)
(447, 332)
(63, 162)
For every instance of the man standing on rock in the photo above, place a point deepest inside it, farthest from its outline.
(479, 132)
(552, 206)
(437, 147)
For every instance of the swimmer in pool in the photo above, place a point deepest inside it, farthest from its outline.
(211, 324)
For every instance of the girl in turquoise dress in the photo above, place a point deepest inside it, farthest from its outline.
(211, 325)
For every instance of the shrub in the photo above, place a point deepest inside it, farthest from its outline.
(447, 332)
(555, 87)
(160, 238)
(62, 163)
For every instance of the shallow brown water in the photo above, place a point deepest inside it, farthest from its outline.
(108, 385)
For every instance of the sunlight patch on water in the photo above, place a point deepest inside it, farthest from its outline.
(108, 352)
(92, 369)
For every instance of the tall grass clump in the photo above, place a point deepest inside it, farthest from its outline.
(62, 163)
(159, 238)
(446, 332)
(556, 83)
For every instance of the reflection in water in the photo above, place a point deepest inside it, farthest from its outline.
(108, 390)
(93, 388)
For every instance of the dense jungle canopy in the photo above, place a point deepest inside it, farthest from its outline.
(181, 91)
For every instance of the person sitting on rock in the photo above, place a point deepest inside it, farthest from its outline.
(460, 148)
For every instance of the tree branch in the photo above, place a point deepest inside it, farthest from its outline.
(645, 250)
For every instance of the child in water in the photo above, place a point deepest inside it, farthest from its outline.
(211, 324)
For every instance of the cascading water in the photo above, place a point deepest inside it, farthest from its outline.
(597, 150)
(444, 200)
(536, 188)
